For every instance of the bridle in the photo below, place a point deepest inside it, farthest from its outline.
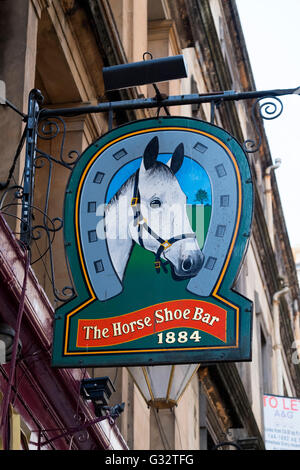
(141, 224)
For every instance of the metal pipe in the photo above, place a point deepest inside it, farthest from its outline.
(277, 339)
(143, 103)
(268, 193)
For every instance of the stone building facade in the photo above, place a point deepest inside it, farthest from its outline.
(60, 48)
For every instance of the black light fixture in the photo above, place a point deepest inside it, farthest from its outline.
(99, 390)
(144, 72)
(7, 335)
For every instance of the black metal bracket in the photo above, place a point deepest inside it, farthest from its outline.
(180, 100)
(159, 98)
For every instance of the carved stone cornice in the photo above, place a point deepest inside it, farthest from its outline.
(263, 243)
(196, 15)
(162, 29)
(110, 46)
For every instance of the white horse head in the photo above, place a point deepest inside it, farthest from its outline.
(157, 218)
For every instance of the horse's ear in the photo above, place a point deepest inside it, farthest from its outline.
(151, 153)
(177, 158)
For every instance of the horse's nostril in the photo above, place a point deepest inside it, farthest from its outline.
(187, 264)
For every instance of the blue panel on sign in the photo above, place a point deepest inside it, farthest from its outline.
(200, 147)
(224, 200)
(98, 177)
(220, 231)
(210, 263)
(92, 234)
(92, 206)
(98, 266)
(220, 170)
(121, 153)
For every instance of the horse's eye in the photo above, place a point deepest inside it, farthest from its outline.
(155, 204)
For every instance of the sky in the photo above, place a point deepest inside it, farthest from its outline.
(272, 33)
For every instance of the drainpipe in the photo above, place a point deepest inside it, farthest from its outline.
(268, 193)
(277, 339)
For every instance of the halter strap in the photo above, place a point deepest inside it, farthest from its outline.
(142, 224)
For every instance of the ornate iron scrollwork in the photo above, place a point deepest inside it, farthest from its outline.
(49, 130)
(40, 233)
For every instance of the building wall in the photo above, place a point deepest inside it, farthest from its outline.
(60, 47)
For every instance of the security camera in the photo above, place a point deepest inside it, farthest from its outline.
(116, 410)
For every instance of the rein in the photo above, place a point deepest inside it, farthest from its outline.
(141, 224)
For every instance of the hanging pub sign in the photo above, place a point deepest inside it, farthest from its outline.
(156, 222)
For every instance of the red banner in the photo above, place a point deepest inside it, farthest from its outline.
(195, 314)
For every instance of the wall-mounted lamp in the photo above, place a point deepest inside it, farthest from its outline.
(144, 72)
(7, 335)
(99, 390)
(269, 204)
